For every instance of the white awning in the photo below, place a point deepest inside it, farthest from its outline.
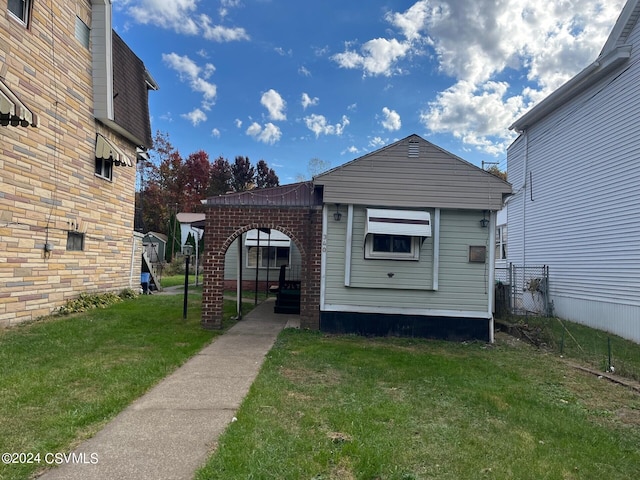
(106, 150)
(278, 239)
(412, 223)
(13, 111)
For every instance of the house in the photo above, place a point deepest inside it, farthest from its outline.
(575, 169)
(399, 241)
(73, 119)
(188, 225)
(262, 254)
(155, 246)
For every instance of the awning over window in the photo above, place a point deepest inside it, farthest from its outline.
(278, 239)
(412, 223)
(106, 150)
(13, 111)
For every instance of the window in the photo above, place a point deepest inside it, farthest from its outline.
(20, 9)
(82, 32)
(272, 257)
(501, 242)
(75, 241)
(104, 168)
(392, 247)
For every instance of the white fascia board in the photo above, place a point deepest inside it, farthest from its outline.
(577, 84)
(102, 59)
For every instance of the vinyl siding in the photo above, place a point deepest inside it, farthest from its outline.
(579, 214)
(249, 273)
(462, 285)
(392, 178)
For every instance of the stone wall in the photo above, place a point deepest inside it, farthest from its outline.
(47, 182)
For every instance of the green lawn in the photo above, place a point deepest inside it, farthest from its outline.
(62, 379)
(346, 407)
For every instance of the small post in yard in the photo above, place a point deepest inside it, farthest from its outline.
(186, 249)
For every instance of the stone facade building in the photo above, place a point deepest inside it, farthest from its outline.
(73, 121)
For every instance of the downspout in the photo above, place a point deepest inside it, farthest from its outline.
(525, 187)
(491, 281)
(133, 254)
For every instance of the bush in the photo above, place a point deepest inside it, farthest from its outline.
(89, 301)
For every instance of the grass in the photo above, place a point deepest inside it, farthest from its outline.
(345, 407)
(63, 378)
(586, 345)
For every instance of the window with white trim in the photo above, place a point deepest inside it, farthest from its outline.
(501, 242)
(104, 168)
(269, 257)
(20, 9)
(392, 247)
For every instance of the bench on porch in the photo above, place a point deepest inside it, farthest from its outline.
(288, 296)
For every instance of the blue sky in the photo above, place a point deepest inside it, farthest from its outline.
(289, 80)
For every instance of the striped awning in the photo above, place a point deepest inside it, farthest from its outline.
(106, 150)
(13, 111)
(412, 223)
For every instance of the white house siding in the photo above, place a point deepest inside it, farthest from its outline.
(579, 209)
(462, 286)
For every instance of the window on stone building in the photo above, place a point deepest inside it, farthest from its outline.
(20, 9)
(82, 32)
(75, 241)
(104, 168)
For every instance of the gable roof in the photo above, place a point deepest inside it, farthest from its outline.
(413, 172)
(614, 53)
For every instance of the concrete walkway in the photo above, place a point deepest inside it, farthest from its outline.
(169, 432)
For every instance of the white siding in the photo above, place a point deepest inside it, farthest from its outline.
(579, 211)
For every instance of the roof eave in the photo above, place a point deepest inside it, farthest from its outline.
(587, 77)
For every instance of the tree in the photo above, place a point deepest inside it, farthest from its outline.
(242, 175)
(265, 176)
(315, 166)
(197, 171)
(495, 170)
(220, 177)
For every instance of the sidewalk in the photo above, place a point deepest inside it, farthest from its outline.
(169, 432)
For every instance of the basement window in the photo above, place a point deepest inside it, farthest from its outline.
(75, 241)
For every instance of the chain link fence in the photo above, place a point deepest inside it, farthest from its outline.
(522, 290)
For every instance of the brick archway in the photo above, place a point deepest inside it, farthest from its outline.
(225, 223)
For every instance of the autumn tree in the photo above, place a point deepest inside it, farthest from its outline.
(495, 170)
(196, 171)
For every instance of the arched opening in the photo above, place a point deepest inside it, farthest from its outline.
(226, 222)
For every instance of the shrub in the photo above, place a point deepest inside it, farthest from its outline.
(87, 301)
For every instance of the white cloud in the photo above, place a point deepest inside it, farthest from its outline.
(378, 57)
(318, 124)
(238, 123)
(195, 75)
(304, 71)
(171, 14)
(307, 101)
(391, 119)
(195, 117)
(477, 42)
(181, 16)
(219, 33)
(377, 142)
(479, 116)
(268, 134)
(215, 133)
(275, 104)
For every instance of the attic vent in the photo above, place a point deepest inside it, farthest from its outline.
(414, 149)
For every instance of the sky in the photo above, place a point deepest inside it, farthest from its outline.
(288, 81)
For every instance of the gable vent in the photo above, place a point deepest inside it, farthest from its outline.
(414, 149)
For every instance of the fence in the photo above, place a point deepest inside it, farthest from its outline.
(523, 290)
